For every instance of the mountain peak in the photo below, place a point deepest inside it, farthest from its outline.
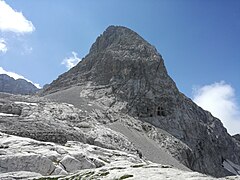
(118, 55)
(124, 75)
(119, 37)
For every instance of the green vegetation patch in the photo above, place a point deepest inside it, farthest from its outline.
(47, 178)
(137, 165)
(125, 176)
(104, 173)
(117, 168)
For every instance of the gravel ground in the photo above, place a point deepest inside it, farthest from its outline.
(149, 148)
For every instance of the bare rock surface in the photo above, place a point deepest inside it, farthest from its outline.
(236, 137)
(26, 162)
(19, 155)
(76, 160)
(123, 78)
(48, 121)
(71, 164)
(54, 122)
(19, 175)
(142, 171)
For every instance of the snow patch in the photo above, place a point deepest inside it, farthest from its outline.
(26, 103)
(5, 114)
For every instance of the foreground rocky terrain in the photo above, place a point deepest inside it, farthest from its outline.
(24, 158)
(116, 115)
(19, 86)
(46, 121)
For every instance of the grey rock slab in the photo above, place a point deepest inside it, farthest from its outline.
(71, 164)
(59, 170)
(19, 175)
(26, 162)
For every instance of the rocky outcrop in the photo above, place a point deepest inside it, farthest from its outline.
(29, 162)
(47, 121)
(123, 75)
(19, 86)
(72, 164)
(19, 154)
(236, 137)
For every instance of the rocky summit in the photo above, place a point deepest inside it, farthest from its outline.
(116, 115)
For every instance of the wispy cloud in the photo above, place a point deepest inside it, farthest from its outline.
(219, 99)
(17, 76)
(3, 46)
(11, 20)
(71, 61)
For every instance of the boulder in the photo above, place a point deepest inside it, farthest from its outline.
(72, 164)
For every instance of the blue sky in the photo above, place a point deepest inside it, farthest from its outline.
(198, 39)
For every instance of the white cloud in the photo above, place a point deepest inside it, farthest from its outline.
(219, 99)
(3, 46)
(71, 61)
(11, 20)
(17, 76)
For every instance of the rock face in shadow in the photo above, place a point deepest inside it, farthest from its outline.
(124, 74)
(19, 86)
(236, 137)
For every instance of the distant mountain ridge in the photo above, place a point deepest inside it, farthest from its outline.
(19, 86)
